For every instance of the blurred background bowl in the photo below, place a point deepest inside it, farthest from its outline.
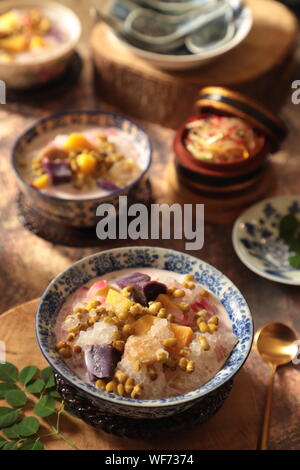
(182, 59)
(51, 63)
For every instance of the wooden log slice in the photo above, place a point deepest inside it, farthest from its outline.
(261, 66)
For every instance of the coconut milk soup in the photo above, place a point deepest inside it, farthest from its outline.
(145, 333)
(82, 162)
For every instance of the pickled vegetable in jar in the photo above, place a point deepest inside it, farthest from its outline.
(222, 139)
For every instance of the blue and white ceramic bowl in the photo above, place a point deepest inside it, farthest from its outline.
(76, 212)
(256, 239)
(182, 58)
(140, 257)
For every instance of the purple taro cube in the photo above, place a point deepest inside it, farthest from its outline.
(59, 171)
(107, 185)
(101, 360)
(145, 292)
(132, 279)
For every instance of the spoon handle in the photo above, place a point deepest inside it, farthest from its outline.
(263, 441)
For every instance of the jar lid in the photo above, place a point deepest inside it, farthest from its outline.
(237, 104)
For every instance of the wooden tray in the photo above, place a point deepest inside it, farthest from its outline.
(261, 66)
(235, 426)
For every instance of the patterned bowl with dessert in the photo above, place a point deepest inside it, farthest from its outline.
(69, 163)
(144, 333)
(37, 41)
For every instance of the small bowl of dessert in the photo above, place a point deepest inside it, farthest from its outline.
(37, 41)
(69, 163)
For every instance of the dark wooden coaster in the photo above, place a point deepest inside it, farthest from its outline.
(54, 87)
(67, 235)
(134, 428)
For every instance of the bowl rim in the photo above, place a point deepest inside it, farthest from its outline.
(124, 401)
(74, 112)
(243, 255)
(59, 51)
(194, 58)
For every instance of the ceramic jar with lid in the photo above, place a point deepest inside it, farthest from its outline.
(226, 144)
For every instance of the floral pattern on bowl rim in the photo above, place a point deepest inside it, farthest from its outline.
(256, 239)
(120, 258)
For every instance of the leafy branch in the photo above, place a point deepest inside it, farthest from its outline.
(34, 387)
(289, 231)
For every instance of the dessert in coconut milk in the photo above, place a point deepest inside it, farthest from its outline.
(28, 33)
(84, 163)
(145, 335)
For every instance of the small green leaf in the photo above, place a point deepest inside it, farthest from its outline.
(295, 245)
(16, 398)
(48, 377)
(54, 394)
(27, 374)
(2, 442)
(12, 432)
(8, 372)
(45, 407)
(5, 387)
(8, 416)
(36, 387)
(30, 444)
(11, 445)
(288, 226)
(28, 426)
(295, 261)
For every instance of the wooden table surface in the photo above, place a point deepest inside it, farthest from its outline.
(28, 263)
(234, 426)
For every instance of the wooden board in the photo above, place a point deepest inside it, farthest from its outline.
(260, 66)
(235, 426)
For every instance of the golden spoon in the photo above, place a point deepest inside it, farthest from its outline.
(275, 343)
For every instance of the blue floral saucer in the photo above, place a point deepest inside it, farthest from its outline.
(256, 239)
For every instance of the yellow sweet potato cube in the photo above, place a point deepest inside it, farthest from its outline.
(37, 41)
(78, 142)
(41, 182)
(168, 303)
(87, 163)
(15, 43)
(183, 334)
(119, 302)
(143, 324)
(8, 21)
